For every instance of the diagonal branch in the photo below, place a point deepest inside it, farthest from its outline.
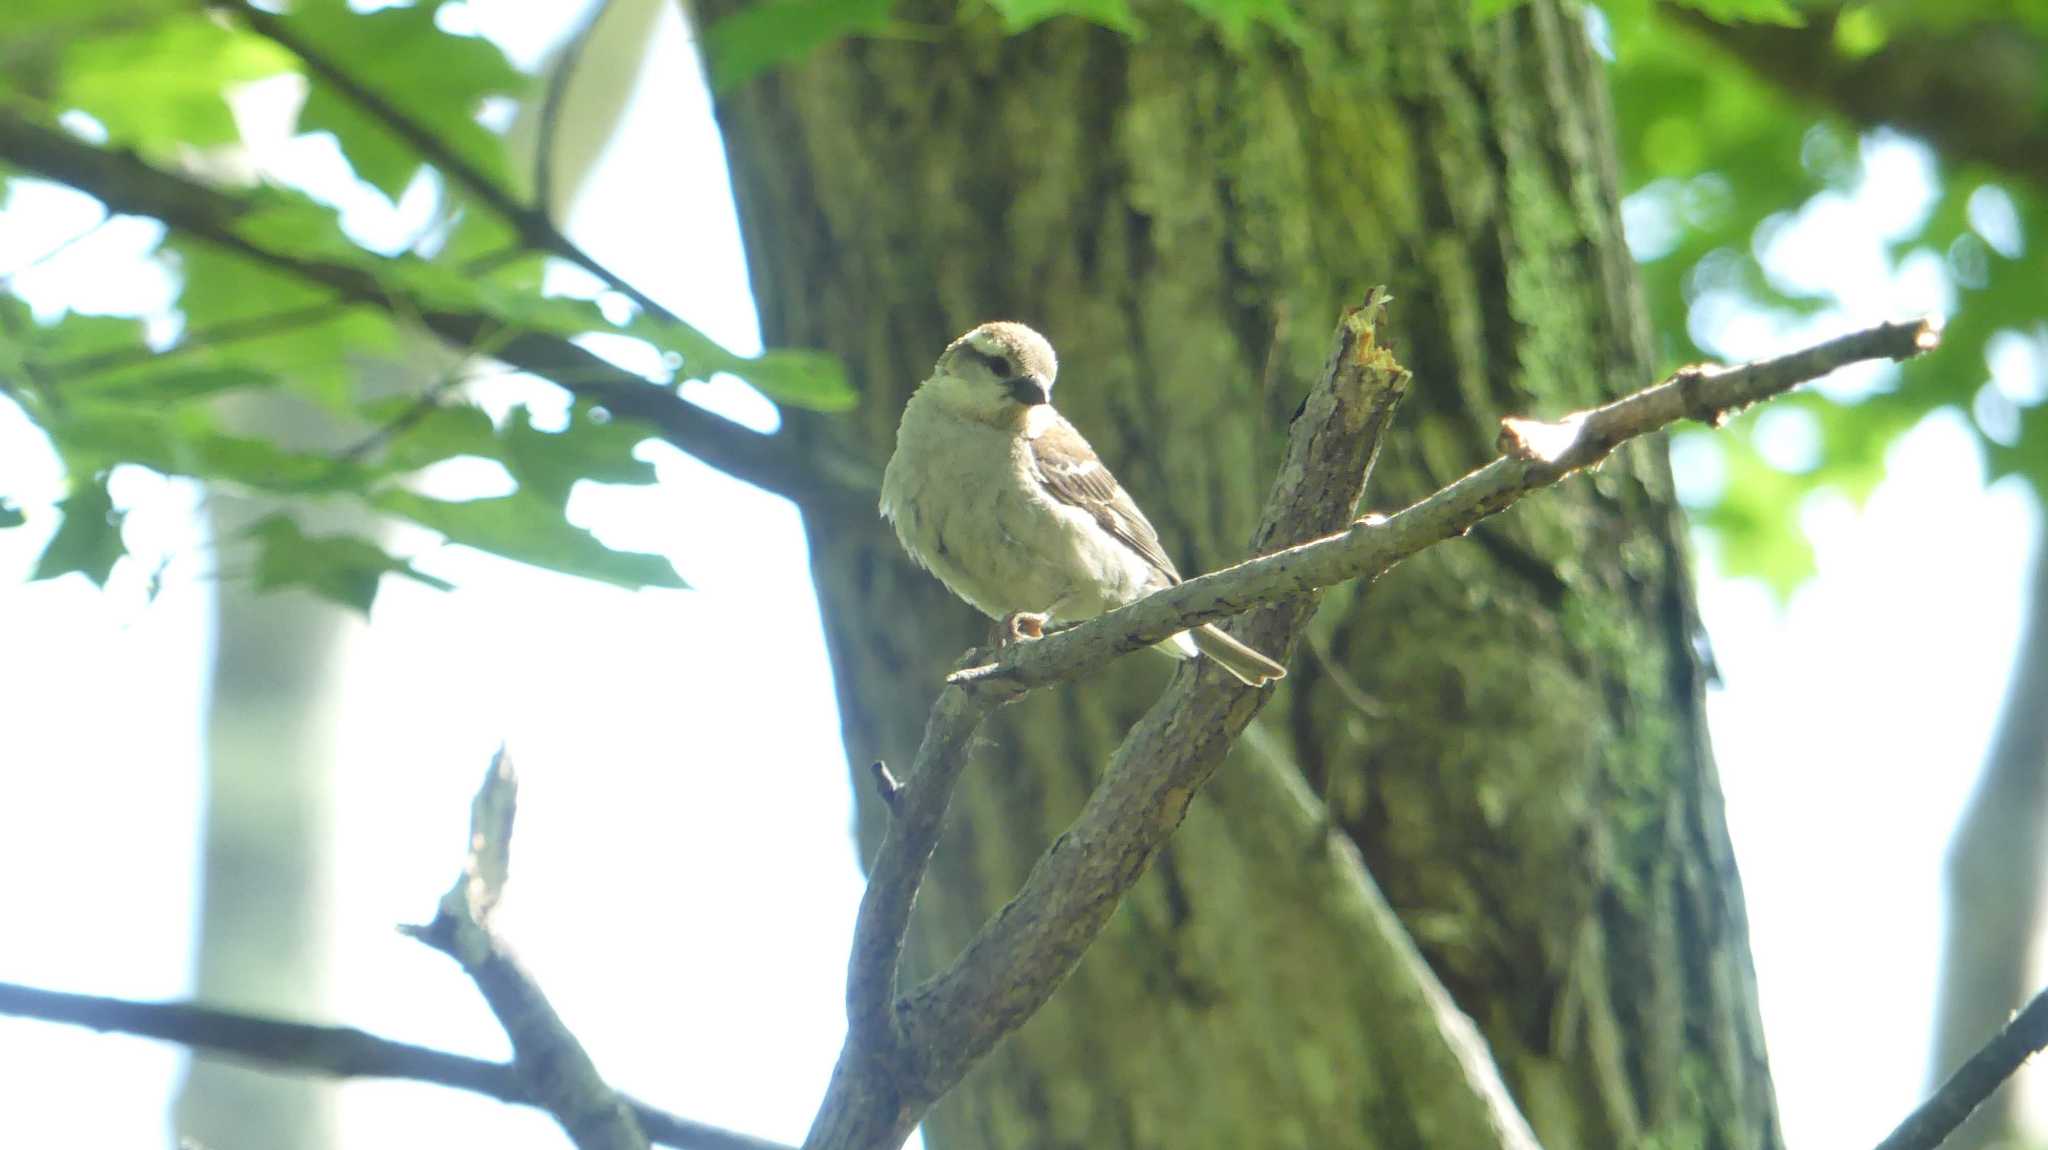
(126, 183)
(1975, 92)
(335, 1051)
(1535, 455)
(903, 1053)
(546, 1055)
(1935, 1119)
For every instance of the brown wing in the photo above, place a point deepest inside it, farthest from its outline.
(1067, 468)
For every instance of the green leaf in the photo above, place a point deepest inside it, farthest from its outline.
(242, 314)
(10, 515)
(1748, 11)
(161, 86)
(799, 378)
(1021, 14)
(21, 18)
(182, 440)
(1236, 18)
(752, 40)
(420, 436)
(1483, 10)
(154, 384)
(88, 541)
(524, 527)
(75, 336)
(438, 78)
(548, 463)
(345, 569)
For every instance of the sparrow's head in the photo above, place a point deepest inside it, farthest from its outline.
(994, 372)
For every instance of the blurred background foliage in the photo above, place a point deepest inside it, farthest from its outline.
(1729, 134)
(1736, 117)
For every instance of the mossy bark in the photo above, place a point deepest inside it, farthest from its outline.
(1509, 727)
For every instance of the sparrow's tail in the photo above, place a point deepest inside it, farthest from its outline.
(1248, 665)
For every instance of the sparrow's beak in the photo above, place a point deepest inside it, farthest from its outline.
(1031, 390)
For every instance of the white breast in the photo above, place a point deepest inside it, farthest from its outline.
(961, 497)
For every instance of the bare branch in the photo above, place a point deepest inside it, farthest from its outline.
(904, 1053)
(334, 1051)
(1537, 455)
(2025, 1036)
(126, 183)
(545, 1055)
(886, 784)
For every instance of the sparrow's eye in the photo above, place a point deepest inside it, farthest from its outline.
(995, 362)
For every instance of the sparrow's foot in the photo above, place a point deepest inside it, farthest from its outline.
(1020, 627)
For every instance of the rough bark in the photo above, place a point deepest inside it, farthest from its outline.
(1996, 865)
(1509, 728)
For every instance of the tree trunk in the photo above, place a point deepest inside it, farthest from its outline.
(1510, 728)
(1995, 872)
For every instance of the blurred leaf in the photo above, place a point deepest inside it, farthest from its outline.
(418, 435)
(88, 541)
(345, 569)
(752, 40)
(527, 528)
(76, 336)
(10, 515)
(1748, 11)
(153, 384)
(548, 463)
(402, 54)
(1021, 14)
(161, 85)
(799, 378)
(1757, 519)
(24, 17)
(242, 314)
(182, 440)
(1236, 18)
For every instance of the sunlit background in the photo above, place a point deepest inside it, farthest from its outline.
(685, 877)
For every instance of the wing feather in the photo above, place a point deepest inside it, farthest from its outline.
(1069, 471)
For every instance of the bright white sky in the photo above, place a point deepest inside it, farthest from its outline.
(686, 881)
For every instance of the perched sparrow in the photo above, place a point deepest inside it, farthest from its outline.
(995, 493)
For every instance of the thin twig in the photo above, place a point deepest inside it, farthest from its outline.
(886, 785)
(1537, 455)
(64, 245)
(546, 1055)
(559, 78)
(1935, 1119)
(331, 1051)
(201, 339)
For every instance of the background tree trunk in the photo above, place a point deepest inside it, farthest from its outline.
(1510, 728)
(1995, 871)
(279, 665)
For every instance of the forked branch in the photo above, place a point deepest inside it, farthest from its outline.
(904, 1050)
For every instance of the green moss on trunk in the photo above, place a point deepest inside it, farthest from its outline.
(1508, 727)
